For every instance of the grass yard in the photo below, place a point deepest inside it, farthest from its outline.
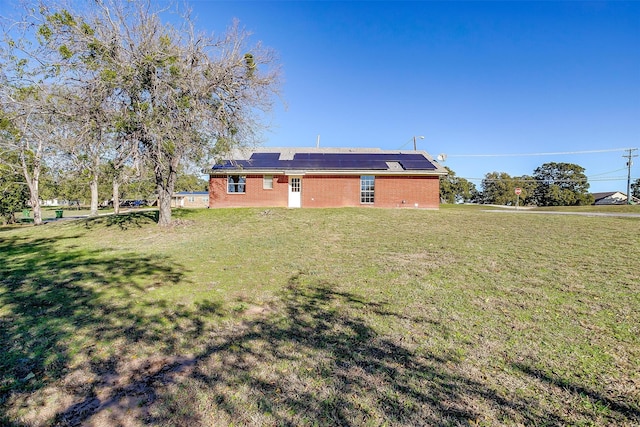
(328, 317)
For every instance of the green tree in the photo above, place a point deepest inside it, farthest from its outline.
(14, 192)
(498, 188)
(191, 182)
(176, 93)
(72, 186)
(454, 189)
(635, 188)
(30, 101)
(127, 183)
(28, 136)
(561, 184)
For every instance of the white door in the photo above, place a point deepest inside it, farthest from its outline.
(295, 189)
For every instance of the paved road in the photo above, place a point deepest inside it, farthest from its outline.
(526, 211)
(85, 216)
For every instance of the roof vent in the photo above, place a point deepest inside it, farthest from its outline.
(287, 154)
(394, 166)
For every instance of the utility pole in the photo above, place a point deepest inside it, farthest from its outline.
(629, 156)
(415, 147)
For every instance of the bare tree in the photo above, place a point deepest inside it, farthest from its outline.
(29, 89)
(124, 165)
(88, 133)
(32, 132)
(182, 92)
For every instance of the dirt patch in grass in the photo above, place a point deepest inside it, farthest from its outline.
(122, 396)
(182, 222)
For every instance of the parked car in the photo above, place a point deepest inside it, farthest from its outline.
(133, 203)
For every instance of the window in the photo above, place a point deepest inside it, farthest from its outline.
(236, 183)
(191, 199)
(267, 182)
(295, 185)
(367, 185)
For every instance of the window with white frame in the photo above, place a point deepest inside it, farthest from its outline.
(236, 183)
(367, 187)
(295, 185)
(267, 182)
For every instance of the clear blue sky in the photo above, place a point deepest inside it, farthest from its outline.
(471, 77)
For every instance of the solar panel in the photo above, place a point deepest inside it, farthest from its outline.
(265, 160)
(336, 162)
(417, 165)
(265, 156)
(410, 158)
(331, 161)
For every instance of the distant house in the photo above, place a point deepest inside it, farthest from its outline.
(190, 199)
(325, 177)
(59, 202)
(610, 198)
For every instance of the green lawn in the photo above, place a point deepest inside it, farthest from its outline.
(353, 317)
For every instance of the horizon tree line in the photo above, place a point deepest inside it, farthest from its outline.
(551, 184)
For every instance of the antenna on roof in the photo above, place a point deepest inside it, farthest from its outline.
(442, 157)
(318, 142)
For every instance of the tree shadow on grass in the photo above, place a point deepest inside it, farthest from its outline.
(622, 406)
(73, 321)
(125, 220)
(309, 359)
(61, 309)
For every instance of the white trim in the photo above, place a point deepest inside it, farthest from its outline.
(264, 177)
(294, 197)
(237, 184)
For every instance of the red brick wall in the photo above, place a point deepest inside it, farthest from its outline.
(329, 191)
(415, 191)
(254, 195)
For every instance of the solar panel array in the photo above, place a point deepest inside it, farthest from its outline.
(331, 161)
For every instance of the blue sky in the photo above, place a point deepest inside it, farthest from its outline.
(473, 78)
(477, 79)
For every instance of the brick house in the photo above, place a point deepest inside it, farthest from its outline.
(325, 177)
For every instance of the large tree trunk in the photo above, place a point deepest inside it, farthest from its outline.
(34, 198)
(94, 195)
(37, 211)
(116, 196)
(164, 206)
(165, 191)
(33, 181)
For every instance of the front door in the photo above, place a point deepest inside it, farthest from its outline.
(295, 189)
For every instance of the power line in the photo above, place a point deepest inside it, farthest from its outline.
(604, 173)
(543, 154)
(613, 178)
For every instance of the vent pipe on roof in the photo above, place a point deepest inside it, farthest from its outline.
(318, 142)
